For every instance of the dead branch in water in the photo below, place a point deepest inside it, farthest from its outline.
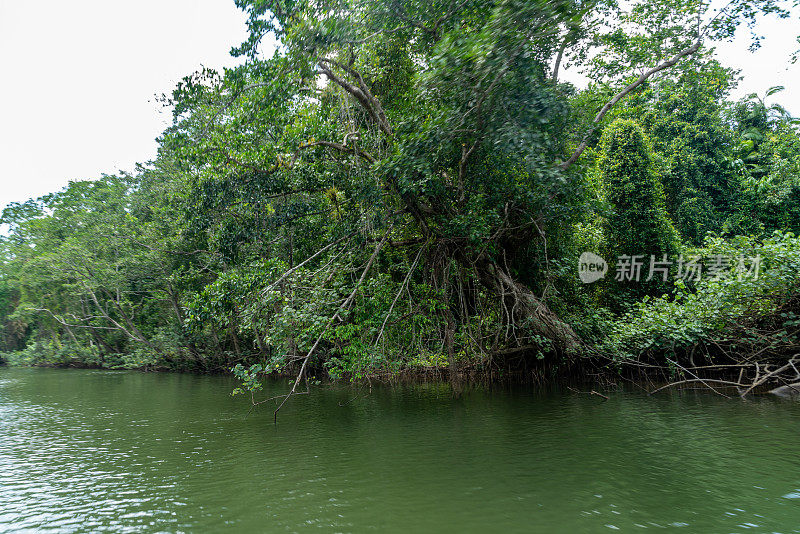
(753, 353)
(750, 378)
(592, 392)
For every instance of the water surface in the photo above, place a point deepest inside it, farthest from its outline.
(88, 451)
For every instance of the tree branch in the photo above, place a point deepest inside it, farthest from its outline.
(360, 93)
(334, 317)
(622, 94)
(342, 148)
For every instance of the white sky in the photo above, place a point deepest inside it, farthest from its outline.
(769, 66)
(79, 79)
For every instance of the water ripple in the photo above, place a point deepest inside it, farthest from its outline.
(86, 451)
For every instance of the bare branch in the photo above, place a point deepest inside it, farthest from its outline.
(334, 317)
(399, 292)
(360, 92)
(283, 277)
(690, 380)
(352, 149)
(622, 94)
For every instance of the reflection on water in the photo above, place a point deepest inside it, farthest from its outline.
(86, 451)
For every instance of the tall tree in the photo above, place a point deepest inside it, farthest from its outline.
(638, 225)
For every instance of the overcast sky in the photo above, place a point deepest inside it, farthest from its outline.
(79, 79)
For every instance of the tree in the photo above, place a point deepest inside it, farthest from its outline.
(768, 163)
(689, 133)
(439, 125)
(397, 174)
(637, 224)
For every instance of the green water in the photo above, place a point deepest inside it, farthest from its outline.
(86, 451)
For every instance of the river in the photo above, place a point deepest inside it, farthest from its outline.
(89, 451)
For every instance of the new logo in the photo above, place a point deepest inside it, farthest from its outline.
(591, 267)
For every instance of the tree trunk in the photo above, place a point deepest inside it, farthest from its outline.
(529, 306)
(235, 339)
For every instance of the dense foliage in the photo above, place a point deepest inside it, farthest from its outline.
(637, 220)
(408, 185)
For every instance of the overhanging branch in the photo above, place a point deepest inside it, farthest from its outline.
(622, 94)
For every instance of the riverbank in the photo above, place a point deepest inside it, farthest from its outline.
(740, 332)
(489, 374)
(597, 377)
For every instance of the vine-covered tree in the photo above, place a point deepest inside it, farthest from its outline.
(637, 225)
(397, 183)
